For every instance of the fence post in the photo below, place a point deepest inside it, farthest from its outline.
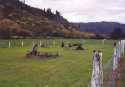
(33, 43)
(101, 69)
(118, 51)
(115, 57)
(97, 72)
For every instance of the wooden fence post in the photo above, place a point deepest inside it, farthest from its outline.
(97, 72)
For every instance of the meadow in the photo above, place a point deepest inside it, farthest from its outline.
(71, 69)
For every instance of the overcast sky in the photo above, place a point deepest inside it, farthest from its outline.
(85, 10)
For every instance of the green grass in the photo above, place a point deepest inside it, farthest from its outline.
(71, 69)
(123, 80)
(122, 83)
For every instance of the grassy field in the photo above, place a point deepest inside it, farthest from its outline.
(122, 70)
(71, 69)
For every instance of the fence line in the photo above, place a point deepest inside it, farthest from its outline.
(118, 52)
(97, 79)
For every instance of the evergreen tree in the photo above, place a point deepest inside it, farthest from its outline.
(58, 13)
(117, 34)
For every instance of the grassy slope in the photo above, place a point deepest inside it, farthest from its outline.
(71, 69)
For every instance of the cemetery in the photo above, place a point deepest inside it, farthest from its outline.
(61, 67)
(50, 43)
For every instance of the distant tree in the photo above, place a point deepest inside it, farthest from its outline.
(44, 10)
(117, 34)
(49, 11)
(4, 33)
(7, 10)
(58, 13)
(98, 36)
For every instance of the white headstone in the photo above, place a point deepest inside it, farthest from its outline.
(40, 43)
(22, 44)
(9, 44)
(103, 41)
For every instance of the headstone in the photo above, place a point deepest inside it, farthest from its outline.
(103, 41)
(33, 43)
(40, 43)
(53, 43)
(62, 44)
(22, 44)
(9, 44)
(34, 50)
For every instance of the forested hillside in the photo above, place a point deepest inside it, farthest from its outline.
(19, 19)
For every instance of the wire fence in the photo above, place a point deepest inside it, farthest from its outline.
(110, 71)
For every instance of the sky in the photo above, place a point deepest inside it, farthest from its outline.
(85, 10)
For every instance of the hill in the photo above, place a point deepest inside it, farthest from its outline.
(19, 19)
(100, 27)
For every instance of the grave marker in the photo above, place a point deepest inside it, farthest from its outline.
(9, 44)
(22, 43)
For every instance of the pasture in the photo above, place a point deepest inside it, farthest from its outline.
(71, 69)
